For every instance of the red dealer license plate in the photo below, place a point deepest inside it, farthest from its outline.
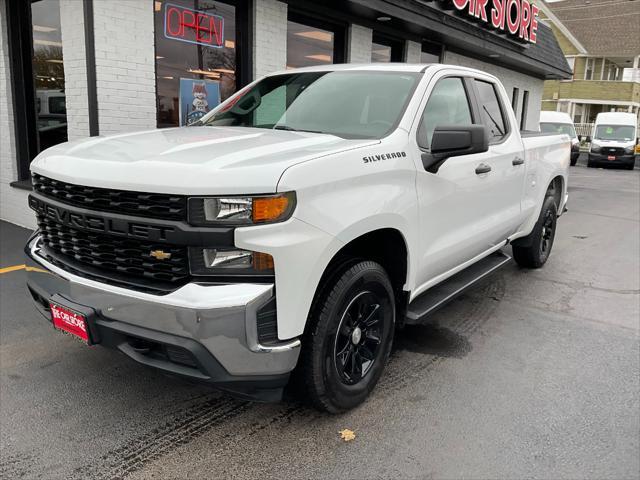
(611, 157)
(69, 321)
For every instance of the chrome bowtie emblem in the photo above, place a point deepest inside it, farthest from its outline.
(160, 254)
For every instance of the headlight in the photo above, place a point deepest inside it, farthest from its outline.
(245, 210)
(630, 150)
(596, 147)
(229, 262)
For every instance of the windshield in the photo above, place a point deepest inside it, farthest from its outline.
(349, 104)
(623, 133)
(548, 127)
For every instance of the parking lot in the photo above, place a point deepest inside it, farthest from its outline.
(531, 374)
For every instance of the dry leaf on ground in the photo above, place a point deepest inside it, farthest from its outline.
(347, 435)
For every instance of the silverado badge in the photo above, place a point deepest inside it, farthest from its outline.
(160, 254)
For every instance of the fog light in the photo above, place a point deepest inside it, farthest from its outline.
(229, 262)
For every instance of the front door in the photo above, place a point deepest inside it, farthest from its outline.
(472, 201)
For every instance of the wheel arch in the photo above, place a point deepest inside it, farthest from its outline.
(387, 246)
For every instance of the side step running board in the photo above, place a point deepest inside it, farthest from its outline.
(439, 295)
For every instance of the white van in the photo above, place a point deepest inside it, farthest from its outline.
(560, 122)
(615, 136)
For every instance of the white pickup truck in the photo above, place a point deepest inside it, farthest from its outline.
(294, 227)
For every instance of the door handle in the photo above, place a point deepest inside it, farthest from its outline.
(517, 161)
(482, 168)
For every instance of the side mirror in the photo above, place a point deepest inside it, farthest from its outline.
(579, 138)
(588, 138)
(452, 141)
(638, 141)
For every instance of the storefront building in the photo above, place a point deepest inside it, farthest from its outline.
(76, 68)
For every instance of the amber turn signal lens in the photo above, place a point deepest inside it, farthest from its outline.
(262, 261)
(269, 209)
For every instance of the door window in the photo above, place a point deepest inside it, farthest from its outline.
(491, 110)
(447, 105)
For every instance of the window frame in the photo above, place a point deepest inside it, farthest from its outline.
(431, 47)
(525, 109)
(396, 45)
(471, 101)
(339, 30)
(24, 100)
(589, 61)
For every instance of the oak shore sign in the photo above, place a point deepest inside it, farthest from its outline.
(516, 17)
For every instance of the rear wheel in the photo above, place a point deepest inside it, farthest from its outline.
(349, 337)
(533, 250)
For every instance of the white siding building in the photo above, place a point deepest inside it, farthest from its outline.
(71, 69)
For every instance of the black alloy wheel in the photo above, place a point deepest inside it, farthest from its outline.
(358, 338)
(547, 234)
(349, 336)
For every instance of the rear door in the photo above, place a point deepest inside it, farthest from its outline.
(505, 157)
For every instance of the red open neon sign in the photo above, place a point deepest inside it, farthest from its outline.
(193, 26)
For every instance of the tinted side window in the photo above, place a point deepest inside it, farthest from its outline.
(447, 105)
(491, 111)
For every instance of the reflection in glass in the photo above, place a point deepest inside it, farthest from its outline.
(380, 53)
(48, 73)
(307, 46)
(426, 57)
(177, 59)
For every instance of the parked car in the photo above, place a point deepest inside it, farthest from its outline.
(295, 227)
(560, 122)
(614, 140)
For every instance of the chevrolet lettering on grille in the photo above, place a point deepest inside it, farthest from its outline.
(97, 223)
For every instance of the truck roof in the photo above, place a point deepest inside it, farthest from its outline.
(389, 67)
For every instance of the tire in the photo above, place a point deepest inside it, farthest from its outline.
(590, 164)
(629, 167)
(346, 330)
(574, 161)
(533, 250)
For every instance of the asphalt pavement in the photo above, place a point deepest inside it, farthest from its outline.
(531, 374)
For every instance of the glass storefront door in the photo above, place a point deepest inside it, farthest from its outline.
(48, 73)
(196, 59)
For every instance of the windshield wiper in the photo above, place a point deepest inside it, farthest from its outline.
(291, 129)
(494, 122)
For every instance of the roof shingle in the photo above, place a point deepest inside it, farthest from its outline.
(604, 27)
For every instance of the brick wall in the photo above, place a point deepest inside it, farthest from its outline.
(13, 202)
(509, 79)
(125, 65)
(359, 46)
(75, 68)
(269, 37)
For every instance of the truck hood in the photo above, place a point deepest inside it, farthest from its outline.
(192, 160)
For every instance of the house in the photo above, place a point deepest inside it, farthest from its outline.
(601, 42)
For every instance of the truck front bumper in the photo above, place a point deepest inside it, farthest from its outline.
(201, 331)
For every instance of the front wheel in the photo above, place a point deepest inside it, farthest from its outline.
(533, 250)
(349, 337)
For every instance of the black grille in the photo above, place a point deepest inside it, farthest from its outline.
(156, 205)
(612, 151)
(109, 253)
